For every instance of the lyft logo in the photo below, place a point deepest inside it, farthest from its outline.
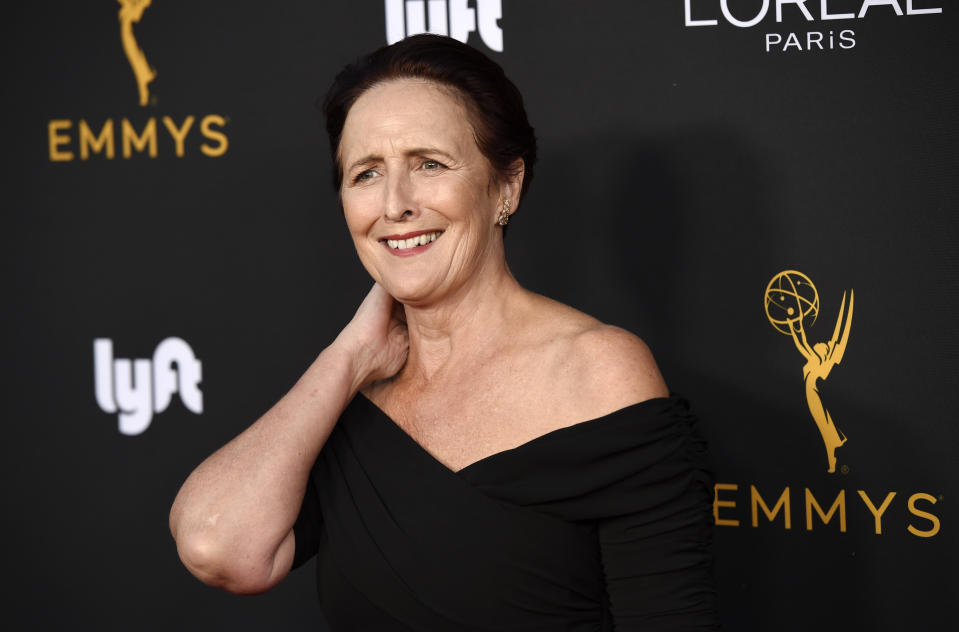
(138, 388)
(445, 17)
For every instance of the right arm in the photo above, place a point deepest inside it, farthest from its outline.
(799, 339)
(233, 517)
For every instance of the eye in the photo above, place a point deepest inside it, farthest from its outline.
(363, 176)
(432, 165)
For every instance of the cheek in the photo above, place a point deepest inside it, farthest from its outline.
(360, 212)
(460, 198)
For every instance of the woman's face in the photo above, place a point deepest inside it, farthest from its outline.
(420, 199)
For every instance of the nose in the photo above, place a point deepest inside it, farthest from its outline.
(399, 205)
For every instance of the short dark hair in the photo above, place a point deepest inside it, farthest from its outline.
(495, 106)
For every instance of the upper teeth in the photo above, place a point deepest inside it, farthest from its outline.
(412, 242)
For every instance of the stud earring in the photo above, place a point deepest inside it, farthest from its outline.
(503, 218)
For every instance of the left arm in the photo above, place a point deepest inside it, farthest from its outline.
(658, 559)
(657, 548)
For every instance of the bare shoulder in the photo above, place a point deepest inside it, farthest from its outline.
(598, 368)
(616, 366)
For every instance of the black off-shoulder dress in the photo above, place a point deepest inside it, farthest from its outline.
(603, 525)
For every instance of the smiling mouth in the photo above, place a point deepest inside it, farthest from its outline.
(404, 242)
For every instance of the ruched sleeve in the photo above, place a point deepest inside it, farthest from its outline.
(641, 476)
(656, 553)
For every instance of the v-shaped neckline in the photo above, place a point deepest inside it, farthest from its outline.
(546, 437)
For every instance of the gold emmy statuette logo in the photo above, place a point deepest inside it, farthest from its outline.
(69, 139)
(130, 13)
(791, 303)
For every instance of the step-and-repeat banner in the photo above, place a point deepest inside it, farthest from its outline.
(764, 190)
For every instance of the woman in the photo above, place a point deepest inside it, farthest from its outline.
(466, 455)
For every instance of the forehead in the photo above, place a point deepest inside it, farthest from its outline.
(405, 113)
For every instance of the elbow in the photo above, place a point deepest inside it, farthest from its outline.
(226, 567)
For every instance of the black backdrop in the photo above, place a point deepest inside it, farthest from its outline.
(683, 166)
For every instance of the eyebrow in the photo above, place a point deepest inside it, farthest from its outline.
(416, 151)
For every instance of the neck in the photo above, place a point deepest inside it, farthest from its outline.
(469, 324)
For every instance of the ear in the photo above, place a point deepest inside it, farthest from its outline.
(512, 184)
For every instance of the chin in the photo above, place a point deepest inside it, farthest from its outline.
(402, 291)
(411, 293)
